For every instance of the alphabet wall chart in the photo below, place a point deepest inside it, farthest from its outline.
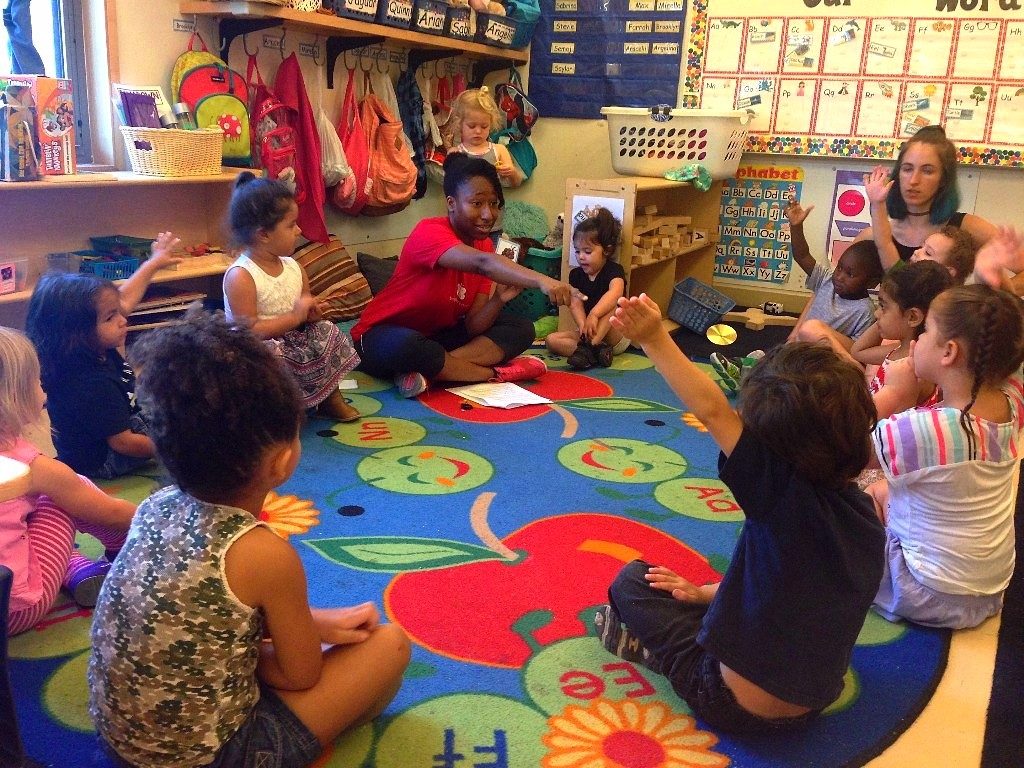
(753, 233)
(839, 78)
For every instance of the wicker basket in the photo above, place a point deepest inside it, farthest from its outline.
(173, 152)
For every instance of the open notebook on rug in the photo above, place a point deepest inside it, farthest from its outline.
(498, 395)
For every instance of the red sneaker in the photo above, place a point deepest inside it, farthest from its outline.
(520, 369)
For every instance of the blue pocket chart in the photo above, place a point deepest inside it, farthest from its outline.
(588, 54)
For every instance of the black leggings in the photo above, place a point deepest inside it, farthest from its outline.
(388, 350)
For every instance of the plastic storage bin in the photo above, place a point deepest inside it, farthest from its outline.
(124, 245)
(460, 23)
(99, 264)
(494, 30)
(364, 10)
(649, 142)
(395, 13)
(697, 306)
(429, 16)
(531, 303)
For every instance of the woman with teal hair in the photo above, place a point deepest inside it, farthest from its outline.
(917, 197)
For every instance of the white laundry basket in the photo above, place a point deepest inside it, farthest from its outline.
(649, 142)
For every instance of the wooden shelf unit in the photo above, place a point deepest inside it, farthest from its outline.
(672, 198)
(238, 18)
(50, 216)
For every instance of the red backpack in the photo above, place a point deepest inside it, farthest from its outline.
(274, 140)
(357, 150)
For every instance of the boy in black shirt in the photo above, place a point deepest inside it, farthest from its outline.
(766, 648)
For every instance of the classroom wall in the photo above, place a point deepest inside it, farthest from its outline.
(144, 47)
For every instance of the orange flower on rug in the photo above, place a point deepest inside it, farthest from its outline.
(288, 514)
(610, 734)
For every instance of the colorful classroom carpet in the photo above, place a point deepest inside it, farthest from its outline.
(490, 536)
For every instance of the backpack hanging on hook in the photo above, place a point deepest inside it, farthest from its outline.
(274, 142)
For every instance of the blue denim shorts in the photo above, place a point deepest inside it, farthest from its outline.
(272, 736)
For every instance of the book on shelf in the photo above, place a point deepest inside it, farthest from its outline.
(498, 395)
(163, 108)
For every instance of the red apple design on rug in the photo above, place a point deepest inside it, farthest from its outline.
(554, 385)
(549, 576)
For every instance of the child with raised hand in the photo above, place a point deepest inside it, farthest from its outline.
(744, 653)
(78, 325)
(204, 648)
(602, 281)
(840, 309)
(475, 116)
(952, 467)
(266, 290)
(37, 529)
(905, 295)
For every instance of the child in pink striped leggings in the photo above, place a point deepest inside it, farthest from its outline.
(37, 530)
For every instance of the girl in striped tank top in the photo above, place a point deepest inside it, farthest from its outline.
(952, 467)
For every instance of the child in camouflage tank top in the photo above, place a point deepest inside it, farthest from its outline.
(205, 650)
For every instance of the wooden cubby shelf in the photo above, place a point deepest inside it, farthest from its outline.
(237, 18)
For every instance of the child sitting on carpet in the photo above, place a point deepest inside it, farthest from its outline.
(840, 309)
(951, 468)
(267, 290)
(749, 655)
(37, 529)
(204, 648)
(78, 324)
(601, 281)
(903, 301)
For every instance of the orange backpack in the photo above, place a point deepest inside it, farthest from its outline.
(392, 172)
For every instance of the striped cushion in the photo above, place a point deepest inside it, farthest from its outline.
(334, 279)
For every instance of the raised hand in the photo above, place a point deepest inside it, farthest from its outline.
(163, 250)
(638, 317)
(796, 213)
(1003, 251)
(877, 184)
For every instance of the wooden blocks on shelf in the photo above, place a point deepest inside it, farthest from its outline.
(656, 238)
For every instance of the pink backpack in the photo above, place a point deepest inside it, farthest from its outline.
(274, 140)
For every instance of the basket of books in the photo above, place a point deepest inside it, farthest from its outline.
(697, 306)
(649, 142)
(173, 152)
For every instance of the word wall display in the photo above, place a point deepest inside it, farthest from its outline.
(842, 79)
(588, 54)
(753, 233)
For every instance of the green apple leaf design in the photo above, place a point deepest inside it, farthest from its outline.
(396, 554)
(620, 404)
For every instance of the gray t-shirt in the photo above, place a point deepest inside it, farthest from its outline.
(848, 316)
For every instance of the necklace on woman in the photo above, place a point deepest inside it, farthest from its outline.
(918, 213)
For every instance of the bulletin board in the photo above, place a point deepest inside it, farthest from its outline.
(841, 79)
(588, 54)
